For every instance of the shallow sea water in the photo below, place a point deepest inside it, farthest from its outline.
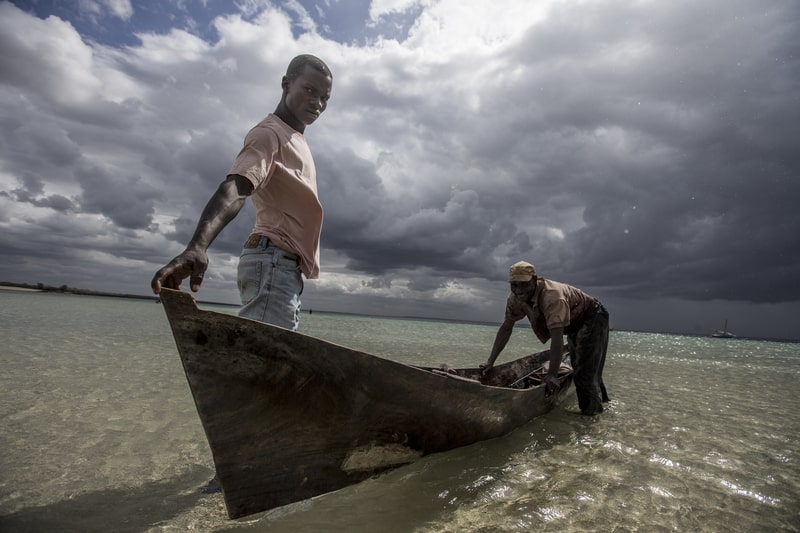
(99, 433)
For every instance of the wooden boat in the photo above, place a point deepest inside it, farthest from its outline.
(289, 416)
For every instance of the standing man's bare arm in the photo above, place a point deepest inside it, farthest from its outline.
(192, 263)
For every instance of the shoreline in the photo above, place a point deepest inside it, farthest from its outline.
(21, 289)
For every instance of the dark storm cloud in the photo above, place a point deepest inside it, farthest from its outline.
(671, 135)
(31, 191)
(122, 198)
(380, 232)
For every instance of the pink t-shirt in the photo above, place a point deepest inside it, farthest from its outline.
(277, 161)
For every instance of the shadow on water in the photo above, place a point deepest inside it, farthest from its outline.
(120, 510)
(428, 491)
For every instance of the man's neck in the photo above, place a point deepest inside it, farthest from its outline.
(283, 113)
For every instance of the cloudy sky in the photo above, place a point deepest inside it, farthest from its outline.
(645, 151)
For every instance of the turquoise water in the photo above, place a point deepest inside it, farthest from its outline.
(99, 433)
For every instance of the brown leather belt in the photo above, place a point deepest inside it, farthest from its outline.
(252, 241)
(255, 240)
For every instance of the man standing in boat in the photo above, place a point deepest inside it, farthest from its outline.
(275, 168)
(556, 309)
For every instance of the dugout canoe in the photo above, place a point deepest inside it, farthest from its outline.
(288, 416)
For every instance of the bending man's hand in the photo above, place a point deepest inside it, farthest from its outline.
(189, 264)
(485, 368)
(552, 385)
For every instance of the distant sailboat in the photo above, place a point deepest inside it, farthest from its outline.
(723, 333)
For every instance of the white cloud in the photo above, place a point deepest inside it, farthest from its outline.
(176, 47)
(449, 28)
(121, 9)
(379, 8)
(45, 57)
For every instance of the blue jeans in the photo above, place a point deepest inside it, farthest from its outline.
(270, 284)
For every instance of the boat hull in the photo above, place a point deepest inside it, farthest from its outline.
(288, 416)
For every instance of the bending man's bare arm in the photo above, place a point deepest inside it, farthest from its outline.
(556, 353)
(500, 341)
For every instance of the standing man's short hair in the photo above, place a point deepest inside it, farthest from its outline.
(297, 65)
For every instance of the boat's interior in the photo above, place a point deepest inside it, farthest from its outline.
(522, 374)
